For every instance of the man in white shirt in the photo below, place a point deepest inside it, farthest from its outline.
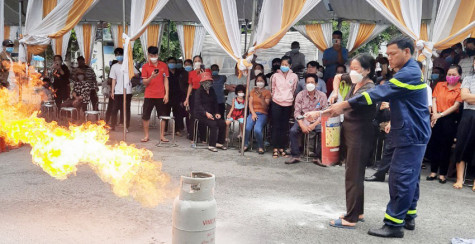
(117, 90)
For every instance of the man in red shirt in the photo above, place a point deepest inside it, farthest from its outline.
(155, 79)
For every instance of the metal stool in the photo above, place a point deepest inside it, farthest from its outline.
(306, 151)
(234, 135)
(97, 115)
(103, 108)
(49, 111)
(67, 110)
(195, 136)
(172, 120)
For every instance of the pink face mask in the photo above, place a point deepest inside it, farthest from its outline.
(451, 80)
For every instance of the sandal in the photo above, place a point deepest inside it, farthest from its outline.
(145, 140)
(220, 146)
(338, 223)
(282, 153)
(359, 219)
(165, 140)
(275, 154)
(212, 149)
(260, 151)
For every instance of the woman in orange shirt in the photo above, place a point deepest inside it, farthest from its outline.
(446, 101)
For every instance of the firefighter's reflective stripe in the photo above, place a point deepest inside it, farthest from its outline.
(407, 86)
(412, 212)
(397, 221)
(368, 98)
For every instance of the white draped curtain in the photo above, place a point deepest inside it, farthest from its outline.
(198, 39)
(358, 36)
(39, 31)
(64, 44)
(86, 47)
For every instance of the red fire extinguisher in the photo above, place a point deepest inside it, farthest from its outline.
(331, 130)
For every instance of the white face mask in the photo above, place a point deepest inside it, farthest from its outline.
(257, 72)
(260, 84)
(310, 87)
(356, 77)
(320, 74)
(197, 65)
(241, 94)
(153, 60)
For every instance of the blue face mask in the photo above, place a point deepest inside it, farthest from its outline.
(188, 68)
(284, 69)
(215, 72)
(120, 58)
(9, 49)
(171, 65)
(179, 65)
(434, 76)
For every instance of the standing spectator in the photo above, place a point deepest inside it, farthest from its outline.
(298, 58)
(176, 95)
(155, 78)
(312, 68)
(194, 78)
(187, 66)
(90, 77)
(117, 90)
(107, 92)
(465, 145)
(445, 104)
(458, 52)
(275, 67)
(206, 111)
(5, 56)
(445, 59)
(179, 64)
(340, 69)
(466, 63)
(438, 74)
(231, 83)
(335, 55)
(61, 83)
(218, 86)
(259, 100)
(358, 136)
(284, 83)
(307, 100)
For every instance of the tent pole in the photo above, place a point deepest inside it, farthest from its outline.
(168, 37)
(245, 35)
(124, 93)
(19, 18)
(102, 49)
(246, 103)
(253, 21)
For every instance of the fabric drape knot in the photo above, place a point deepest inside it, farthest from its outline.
(426, 48)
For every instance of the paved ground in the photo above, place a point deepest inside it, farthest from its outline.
(260, 200)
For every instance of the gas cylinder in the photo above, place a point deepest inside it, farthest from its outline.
(194, 210)
(331, 129)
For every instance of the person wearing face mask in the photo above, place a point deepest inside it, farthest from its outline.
(307, 100)
(408, 136)
(466, 62)
(256, 70)
(437, 75)
(61, 84)
(445, 59)
(274, 68)
(236, 112)
(259, 99)
(446, 102)
(283, 83)
(90, 77)
(194, 78)
(5, 56)
(155, 79)
(341, 86)
(335, 55)
(465, 145)
(176, 96)
(312, 68)
(117, 90)
(232, 82)
(459, 53)
(358, 138)
(298, 58)
(218, 85)
(206, 111)
(81, 92)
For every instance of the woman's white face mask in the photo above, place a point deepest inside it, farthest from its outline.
(197, 65)
(356, 77)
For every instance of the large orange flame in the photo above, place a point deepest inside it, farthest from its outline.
(59, 150)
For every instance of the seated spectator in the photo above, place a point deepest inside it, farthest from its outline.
(259, 100)
(307, 100)
(218, 85)
(257, 69)
(340, 69)
(312, 67)
(236, 112)
(207, 113)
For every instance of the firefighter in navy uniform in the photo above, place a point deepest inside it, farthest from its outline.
(409, 134)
